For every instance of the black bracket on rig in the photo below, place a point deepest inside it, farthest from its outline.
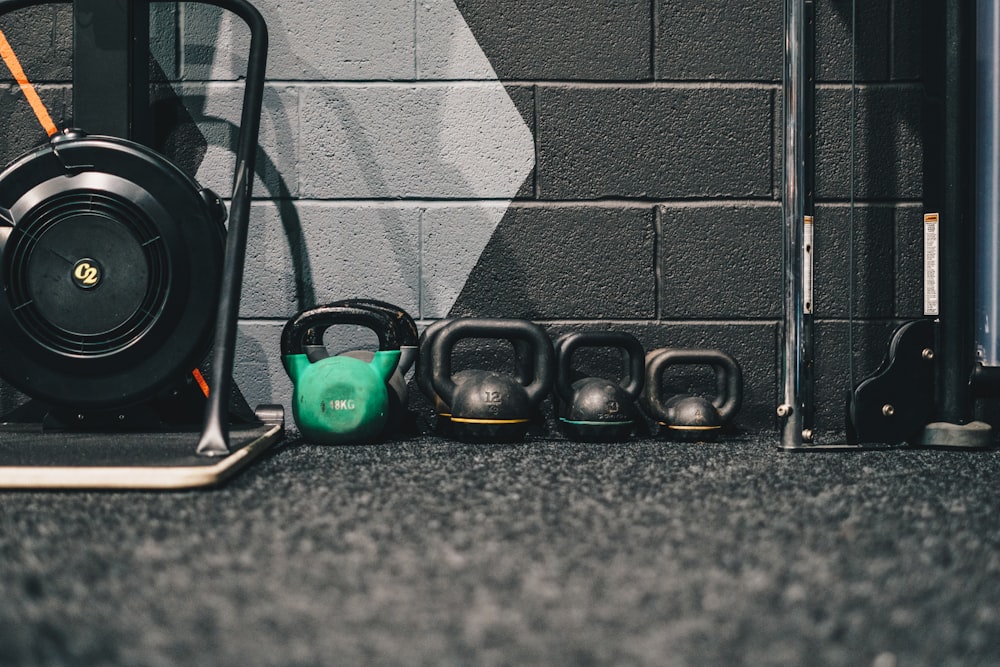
(894, 404)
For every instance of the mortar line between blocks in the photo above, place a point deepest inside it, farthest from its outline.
(507, 202)
(536, 136)
(420, 263)
(416, 63)
(653, 25)
(322, 84)
(181, 23)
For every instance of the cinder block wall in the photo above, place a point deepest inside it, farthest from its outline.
(613, 163)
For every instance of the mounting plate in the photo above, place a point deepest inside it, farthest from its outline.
(31, 458)
(894, 403)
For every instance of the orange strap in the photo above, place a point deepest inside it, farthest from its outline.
(200, 379)
(10, 59)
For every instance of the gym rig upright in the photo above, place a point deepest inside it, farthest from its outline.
(936, 367)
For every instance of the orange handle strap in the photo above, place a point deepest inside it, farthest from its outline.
(10, 59)
(200, 380)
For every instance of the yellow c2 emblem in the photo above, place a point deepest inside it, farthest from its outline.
(86, 273)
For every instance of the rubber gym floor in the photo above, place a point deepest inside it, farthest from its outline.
(428, 552)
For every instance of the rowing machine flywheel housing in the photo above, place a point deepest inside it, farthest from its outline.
(111, 261)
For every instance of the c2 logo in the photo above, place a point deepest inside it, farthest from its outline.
(86, 273)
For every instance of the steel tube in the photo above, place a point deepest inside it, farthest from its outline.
(987, 182)
(215, 433)
(797, 348)
(956, 334)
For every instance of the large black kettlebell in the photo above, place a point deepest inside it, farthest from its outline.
(690, 417)
(488, 406)
(596, 409)
(523, 371)
(408, 337)
(442, 412)
(339, 400)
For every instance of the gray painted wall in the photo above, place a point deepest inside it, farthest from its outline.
(623, 171)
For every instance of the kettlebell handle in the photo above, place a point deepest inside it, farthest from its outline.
(423, 367)
(307, 328)
(406, 330)
(442, 342)
(728, 377)
(567, 344)
(523, 371)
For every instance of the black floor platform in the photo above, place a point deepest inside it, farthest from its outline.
(430, 552)
(31, 458)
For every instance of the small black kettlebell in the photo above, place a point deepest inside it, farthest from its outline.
(689, 417)
(595, 409)
(487, 406)
(406, 334)
(523, 370)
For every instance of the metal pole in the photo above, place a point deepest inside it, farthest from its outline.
(111, 69)
(988, 183)
(215, 432)
(797, 350)
(955, 353)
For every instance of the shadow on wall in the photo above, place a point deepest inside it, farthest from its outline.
(178, 123)
(260, 372)
(497, 285)
(408, 147)
(189, 126)
(181, 138)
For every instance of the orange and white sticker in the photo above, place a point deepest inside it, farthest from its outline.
(807, 265)
(931, 264)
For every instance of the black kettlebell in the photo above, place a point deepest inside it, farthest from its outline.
(523, 370)
(596, 409)
(406, 334)
(488, 406)
(690, 417)
(339, 400)
(441, 411)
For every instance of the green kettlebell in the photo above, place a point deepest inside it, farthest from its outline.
(339, 400)
(400, 420)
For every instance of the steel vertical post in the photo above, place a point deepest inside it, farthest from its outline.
(797, 350)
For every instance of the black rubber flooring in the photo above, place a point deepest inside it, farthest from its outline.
(428, 552)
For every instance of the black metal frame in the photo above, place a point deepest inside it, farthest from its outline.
(117, 59)
(928, 363)
(955, 345)
(110, 71)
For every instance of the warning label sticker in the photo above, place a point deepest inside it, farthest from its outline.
(931, 260)
(807, 265)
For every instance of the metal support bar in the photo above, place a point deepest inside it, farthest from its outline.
(797, 351)
(954, 424)
(955, 344)
(215, 434)
(111, 68)
(988, 183)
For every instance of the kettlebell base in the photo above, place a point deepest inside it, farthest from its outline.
(480, 431)
(691, 433)
(596, 431)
